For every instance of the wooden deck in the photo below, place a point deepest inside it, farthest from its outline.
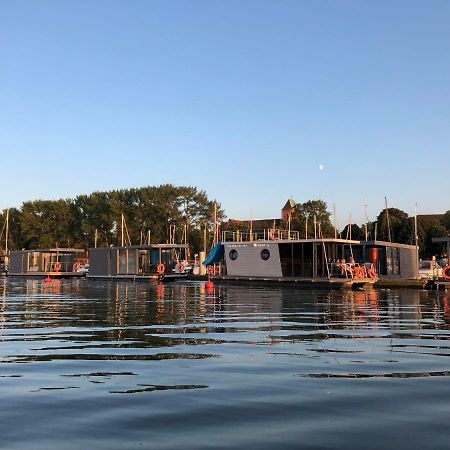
(326, 283)
(48, 274)
(151, 277)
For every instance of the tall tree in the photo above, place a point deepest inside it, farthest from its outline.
(397, 223)
(427, 229)
(306, 212)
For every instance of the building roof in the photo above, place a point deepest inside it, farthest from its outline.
(436, 217)
(291, 203)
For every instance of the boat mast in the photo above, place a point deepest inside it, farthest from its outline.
(416, 236)
(366, 219)
(387, 218)
(7, 233)
(334, 220)
(121, 230)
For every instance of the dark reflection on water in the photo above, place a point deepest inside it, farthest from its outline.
(232, 367)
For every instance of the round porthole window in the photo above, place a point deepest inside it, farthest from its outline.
(233, 255)
(265, 254)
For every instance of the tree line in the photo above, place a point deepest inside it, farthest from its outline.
(164, 211)
(391, 224)
(167, 209)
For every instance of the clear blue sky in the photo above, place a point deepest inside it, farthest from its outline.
(244, 99)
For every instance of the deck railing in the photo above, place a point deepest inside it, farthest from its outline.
(269, 234)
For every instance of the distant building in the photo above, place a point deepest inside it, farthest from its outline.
(288, 209)
(433, 217)
(261, 224)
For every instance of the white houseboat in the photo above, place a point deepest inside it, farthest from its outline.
(285, 258)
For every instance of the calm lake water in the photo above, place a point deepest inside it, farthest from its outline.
(90, 365)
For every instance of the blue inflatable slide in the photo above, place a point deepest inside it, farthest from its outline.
(215, 256)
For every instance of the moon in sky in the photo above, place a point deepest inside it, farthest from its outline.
(321, 167)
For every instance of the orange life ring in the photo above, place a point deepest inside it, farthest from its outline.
(181, 268)
(446, 273)
(372, 274)
(161, 268)
(76, 267)
(57, 266)
(358, 272)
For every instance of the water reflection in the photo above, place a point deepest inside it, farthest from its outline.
(229, 347)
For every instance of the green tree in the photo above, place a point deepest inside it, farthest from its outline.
(446, 221)
(400, 224)
(306, 212)
(426, 230)
(357, 233)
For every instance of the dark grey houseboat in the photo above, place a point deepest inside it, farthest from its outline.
(154, 261)
(54, 262)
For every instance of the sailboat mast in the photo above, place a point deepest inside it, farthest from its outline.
(334, 220)
(7, 232)
(416, 236)
(387, 218)
(121, 228)
(366, 219)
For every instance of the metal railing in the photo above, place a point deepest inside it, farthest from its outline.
(269, 234)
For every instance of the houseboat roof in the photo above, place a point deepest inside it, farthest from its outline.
(441, 239)
(145, 247)
(294, 241)
(54, 250)
(387, 244)
(326, 240)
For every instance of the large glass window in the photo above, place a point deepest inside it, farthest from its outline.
(123, 261)
(131, 261)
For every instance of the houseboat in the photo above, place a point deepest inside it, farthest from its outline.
(50, 262)
(335, 263)
(163, 262)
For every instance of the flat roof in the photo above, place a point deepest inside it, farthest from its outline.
(320, 241)
(143, 247)
(441, 239)
(387, 244)
(53, 250)
(295, 241)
